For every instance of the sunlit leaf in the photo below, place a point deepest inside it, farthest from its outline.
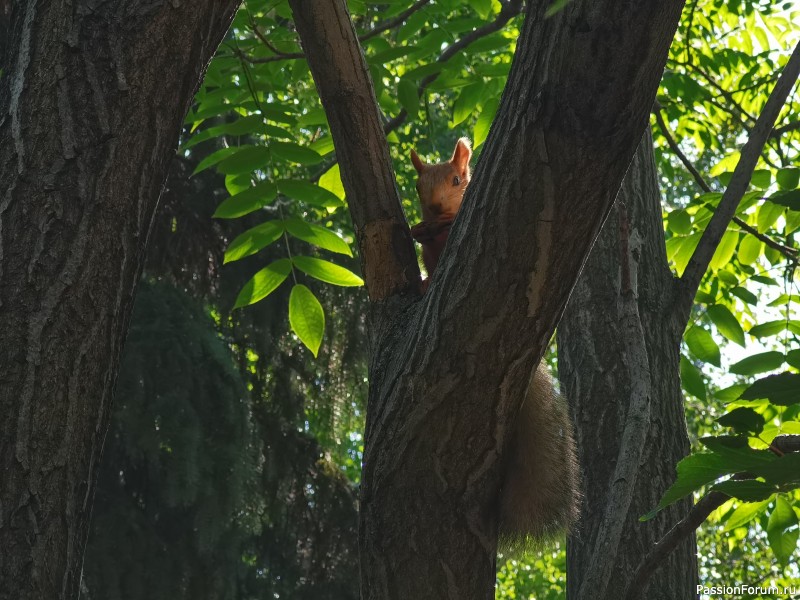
(726, 323)
(758, 363)
(253, 240)
(319, 236)
(327, 271)
(306, 317)
(782, 538)
(247, 201)
(702, 345)
(263, 283)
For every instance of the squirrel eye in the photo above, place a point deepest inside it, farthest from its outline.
(456, 180)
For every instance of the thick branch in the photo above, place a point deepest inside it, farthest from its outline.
(340, 72)
(737, 187)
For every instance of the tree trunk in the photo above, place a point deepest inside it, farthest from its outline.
(91, 103)
(448, 372)
(594, 367)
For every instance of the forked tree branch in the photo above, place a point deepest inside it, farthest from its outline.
(440, 415)
(342, 78)
(726, 210)
(790, 253)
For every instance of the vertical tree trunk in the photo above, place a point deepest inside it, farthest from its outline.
(595, 374)
(448, 372)
(91, 103)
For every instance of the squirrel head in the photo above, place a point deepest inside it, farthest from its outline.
(441, 186)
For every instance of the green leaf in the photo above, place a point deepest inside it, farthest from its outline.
(726, 323)
(263, 283)
(253, 240)
(745, 513)
(246, 159)
(750, 249)
(702, 345)
(784, 472)
(247, 201)
(685, 251)
(745, 295)
(291, 152)
(308, 192)
(331, 180)
(758, 363)
(238, 183)
(761, 179)
(694, 471)
(679, 221)
(738, 455)
(768, 213)
(767, 329)
(407, 94)
(788, 179)
(793, 358)
(213, 158)
(782, 541)
(482, 7)
(306, 317)
(782, 389)
(466, 102)
(743, 420)
(691, 379)
(485, 119)
(274, 131)
(746, 490)
(789, 199)
(319, 236)
(327, 271)
(725, 250)
(314, 116)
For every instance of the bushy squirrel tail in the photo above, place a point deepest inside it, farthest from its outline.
(540, 498)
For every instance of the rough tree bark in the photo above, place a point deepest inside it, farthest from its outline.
(91, 103)
(448, 371)
(594, 367)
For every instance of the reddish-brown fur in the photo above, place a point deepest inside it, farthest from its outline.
(539, 498)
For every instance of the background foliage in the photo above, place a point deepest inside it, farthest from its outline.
(232, 467)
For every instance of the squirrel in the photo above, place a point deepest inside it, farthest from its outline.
(539, 498)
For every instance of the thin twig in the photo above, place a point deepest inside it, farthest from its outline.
(779, 131)
(392, 23)
(790, 253)
(510, 9)
(378, 29)
(737, 187)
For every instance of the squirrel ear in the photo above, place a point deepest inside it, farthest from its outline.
(461, 155)
(417, 162)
